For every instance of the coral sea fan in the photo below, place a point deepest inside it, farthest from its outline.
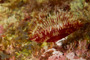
(54, 27)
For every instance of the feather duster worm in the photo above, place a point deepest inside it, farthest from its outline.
(54, 27)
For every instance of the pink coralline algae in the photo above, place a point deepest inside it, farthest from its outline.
(56, 57)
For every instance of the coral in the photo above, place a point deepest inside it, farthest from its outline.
(29, 29)
(1, 30)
